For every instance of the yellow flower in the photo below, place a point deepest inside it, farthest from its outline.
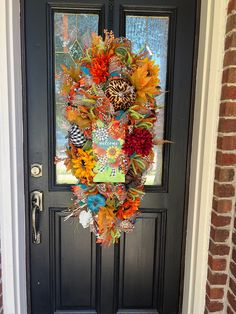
(145, 79)
(82, 166)
(153, 69)
(112, 152)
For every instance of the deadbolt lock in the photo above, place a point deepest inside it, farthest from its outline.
(36, 170)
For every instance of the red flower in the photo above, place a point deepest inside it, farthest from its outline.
(140, 141)
(99, 68)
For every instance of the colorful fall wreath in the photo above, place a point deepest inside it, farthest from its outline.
(111, 108)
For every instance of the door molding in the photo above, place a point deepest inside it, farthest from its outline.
(12, 202)
(206, 113)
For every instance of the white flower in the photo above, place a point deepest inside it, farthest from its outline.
(101, 133)
(85, 218)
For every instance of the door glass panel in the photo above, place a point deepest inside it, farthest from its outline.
(71, 32)
(151, 33)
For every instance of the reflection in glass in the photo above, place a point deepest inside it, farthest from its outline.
(71, 33)
(151, 33)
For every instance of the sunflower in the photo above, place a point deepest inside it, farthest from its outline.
(145, 79)
(113, 152)
(153, 69)
(82, 166)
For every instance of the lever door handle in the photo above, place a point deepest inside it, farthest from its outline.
(36, 201)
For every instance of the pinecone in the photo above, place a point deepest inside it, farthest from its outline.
(76, 136)
(126, 226)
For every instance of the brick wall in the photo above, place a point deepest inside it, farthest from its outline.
(221, 280)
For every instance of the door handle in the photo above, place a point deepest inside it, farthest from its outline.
(36, 201)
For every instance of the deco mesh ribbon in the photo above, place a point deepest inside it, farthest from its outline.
(111, 108)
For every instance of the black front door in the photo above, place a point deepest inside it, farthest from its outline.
(68, 272)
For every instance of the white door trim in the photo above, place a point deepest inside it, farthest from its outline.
(206, 111)
(12, 203)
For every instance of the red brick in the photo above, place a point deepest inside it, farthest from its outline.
(219, 235)
(224, 174)
(228, 109)
(227, 125)
(231, 22)
(216, 278)
(232, 285)
(225, 159)
(226, 142)
(231, 299)
(219, 220)
(229, 76)
(231, 6)
(234, 255)
(228, 92)
(214, 293)
(222, 205)
(230, 58)
(223, 190)
(217, 264)
(229, 311)
(234, 238)
(230, 41)
(213, 306)
(218, 249)
(233, 268)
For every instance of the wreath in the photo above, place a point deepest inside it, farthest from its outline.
(111, 107)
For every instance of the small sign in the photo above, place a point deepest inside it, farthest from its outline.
(107, 145)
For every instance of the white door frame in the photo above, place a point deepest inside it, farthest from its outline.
(206, 115)
(12, 202)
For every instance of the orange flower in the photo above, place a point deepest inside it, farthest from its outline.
(99, 68)
(128, 209)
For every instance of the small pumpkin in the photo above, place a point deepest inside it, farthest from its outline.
(76, 136)
(121, 94)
